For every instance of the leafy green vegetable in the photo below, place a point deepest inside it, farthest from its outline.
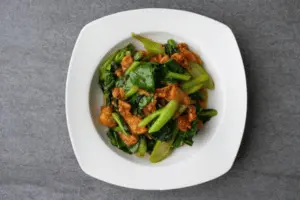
(162, 149)
(138, 102)
(120, 82)
(150, 45)
(121, 123)
(128, 50)
(189, 134)
(116, 141)
(132, 67)
(199, 95)
(164, 114)
(133, 148)
(166, 132)
(138, 56)
(105, 65)
(151, 117)
(183, 77)
(179, 141)
(196, 70)
(171, 47)
(142, 147)
(108, 82)
(150, 145)
(173, 66)
(108, 98)
(131, 91)
(193, 89)
(206, 114)
(180, 110)
(200, 80)
(170, 72)
(143, 77)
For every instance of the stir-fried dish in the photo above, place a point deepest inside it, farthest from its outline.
(155, 99)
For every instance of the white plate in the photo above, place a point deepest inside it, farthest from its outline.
(215, 147)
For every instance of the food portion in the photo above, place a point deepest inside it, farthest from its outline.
(155, 99)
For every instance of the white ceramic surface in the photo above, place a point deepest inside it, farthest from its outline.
(215, 147)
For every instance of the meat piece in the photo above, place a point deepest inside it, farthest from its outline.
(191, 56)
(155, 58)
(106, 118)
(182, 46)
(128, 140)
(188, 54)
(118, 93)
(150, 108)
(183, 123)
(130, 119)
(124, 108)
(126, 62)
(133, 122)
(159, 58)
(180, 59)
(171, 92)
(191, 113)
(164, 59)
(119, 72)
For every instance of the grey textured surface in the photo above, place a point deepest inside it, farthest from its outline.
(37, 160)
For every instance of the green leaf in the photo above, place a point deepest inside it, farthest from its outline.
(206, 114)
(171, 47)
(142, 77)
(196, 70)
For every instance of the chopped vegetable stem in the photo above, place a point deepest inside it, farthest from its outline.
(196, 81)
(131, 91)
(132, 67)
(116, 117)
(151, 117)
(168, 112)
(183, 77)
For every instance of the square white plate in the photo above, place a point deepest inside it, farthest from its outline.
(215, 147)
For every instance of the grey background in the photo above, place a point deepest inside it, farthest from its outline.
(36, 157)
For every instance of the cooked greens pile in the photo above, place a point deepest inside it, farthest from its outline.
(155, 99)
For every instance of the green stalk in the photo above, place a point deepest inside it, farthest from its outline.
(168, 112)
(183, 77)
(132, 67)
(131, 91)
(117, 129)
(196, 81)
(181, 109)
(193, 89)
(119, 122)
(150, 45)
(142, 147)
(150, 117)
(138, 56)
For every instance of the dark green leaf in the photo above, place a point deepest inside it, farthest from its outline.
(173, 66)
(150, 145)
(116, 141)
(206, 114)
(134, 148)
(198, 95)
(166, 132)
(171, 47)
(143, 77)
